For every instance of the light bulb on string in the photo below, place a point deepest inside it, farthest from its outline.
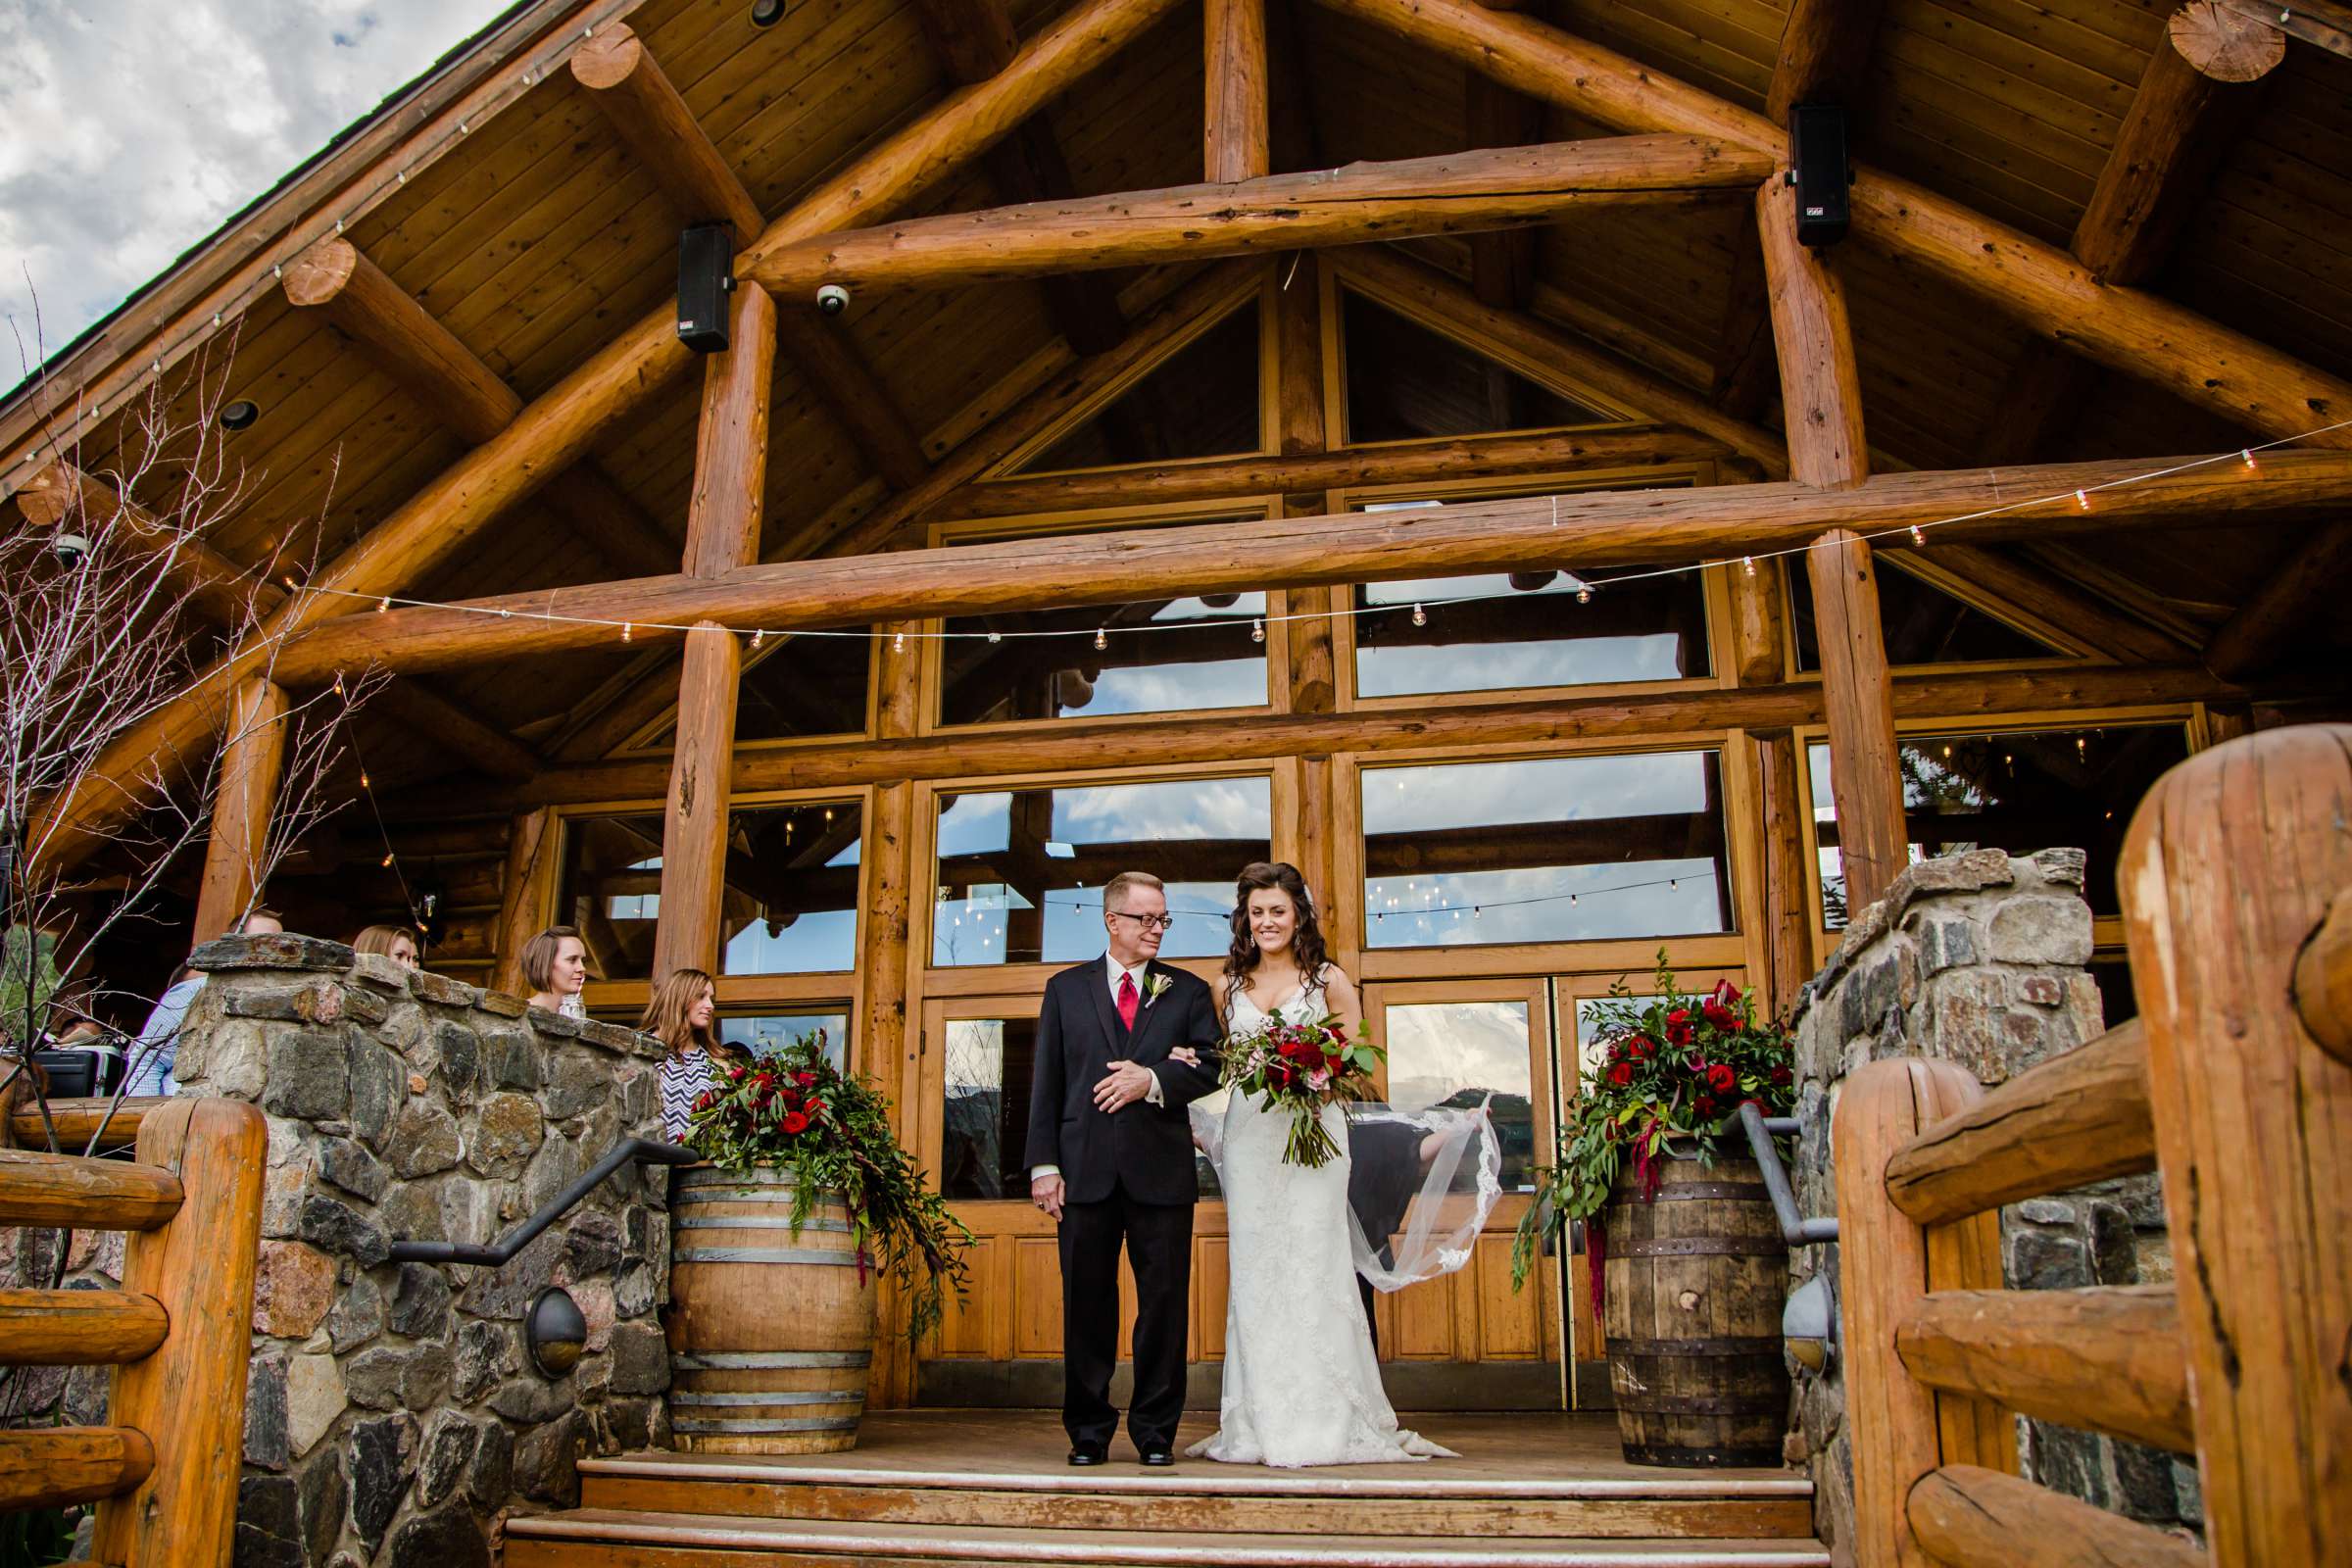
(1420, 616)
(1919, 535)
(1584, 594)
(759, 636)
(1257, 631)
(387, 860)
(1100, 642)
(2082, 499)
(1750, 562)
(383, 604)
(2248, 455)
(898, 643)
(362, 778)
(995, 636)
(627, 632)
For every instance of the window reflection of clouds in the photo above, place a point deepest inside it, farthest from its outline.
(1479, 908)
(1188, 809)
(817, 940)
(1461, 1052)
(1172, 688)
(1497, 666)
(1552, 788)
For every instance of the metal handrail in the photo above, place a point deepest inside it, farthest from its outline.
(1795, 1229)
(628, 1152)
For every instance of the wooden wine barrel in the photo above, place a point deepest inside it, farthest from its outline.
(771, 1334)
(1695, 1281)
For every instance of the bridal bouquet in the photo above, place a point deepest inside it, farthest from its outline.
(1301, 1067)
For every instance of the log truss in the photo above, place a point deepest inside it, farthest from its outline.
(1677, 139)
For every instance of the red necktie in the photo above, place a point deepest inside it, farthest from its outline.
(1127, 999)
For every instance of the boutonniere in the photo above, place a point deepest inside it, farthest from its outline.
(1154, 986)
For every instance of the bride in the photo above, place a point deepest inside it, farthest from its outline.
(1301, 1382)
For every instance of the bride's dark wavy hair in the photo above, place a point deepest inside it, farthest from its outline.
(1306, 942)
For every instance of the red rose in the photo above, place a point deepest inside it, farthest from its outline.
(1716, 1013)
(795, 1122)
(1706, 1104)
(815, 1109)
(1782, 1075)
(1679, 1027)
(735, 1075)
(1621, 1074)
(705, 1100)
(1722, 1079)
(1640, 1048)
(803, 1079)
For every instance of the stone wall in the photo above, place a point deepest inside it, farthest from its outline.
(1978, 958)
(394, 1415)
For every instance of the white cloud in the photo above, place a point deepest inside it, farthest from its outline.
(134, 128)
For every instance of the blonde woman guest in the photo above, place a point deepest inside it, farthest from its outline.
(683, 1015)
(555, 965)
(399, 943)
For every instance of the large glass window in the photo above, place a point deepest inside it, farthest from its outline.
(1201, 402)
(1021, 871)
(791, 899)
(1406, 382)
(1557, 849)
(1526, 629)
(766, 1033)
(1464, 1054)
(2021, 792)
(990, 1066)
(1159, 655)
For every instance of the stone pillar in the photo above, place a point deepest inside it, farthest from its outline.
(1978, 958)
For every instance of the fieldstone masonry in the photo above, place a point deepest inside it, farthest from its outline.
(1978, 958)
(394, 1417)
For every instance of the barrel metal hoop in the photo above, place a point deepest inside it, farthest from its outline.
(761, 1254)
(1701, 1247)
(1686, 1459)
(1704, 1403)
(755, 1222)
(1693, 1192)
(790, 1397)
(1745, 1345)
(798, 1423)
(761, 1360)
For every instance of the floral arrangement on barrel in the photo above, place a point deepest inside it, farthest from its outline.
(796, 1113)
(1674, 1070)
(1301, 1067)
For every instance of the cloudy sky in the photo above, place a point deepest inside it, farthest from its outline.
(135, 127)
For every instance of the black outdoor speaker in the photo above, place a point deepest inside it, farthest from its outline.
(1817, 159)
(706, 278)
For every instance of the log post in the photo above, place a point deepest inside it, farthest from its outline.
(1821, 397)
(1864, 771)
(723, 533)
(1884, 1261)
(1787, 913)
(1234, 134)
(531, 839)
(2231, 861)
(189, 1397)
(251, 758)
(886, 1048)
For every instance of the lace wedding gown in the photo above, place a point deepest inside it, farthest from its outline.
(1301, 1382)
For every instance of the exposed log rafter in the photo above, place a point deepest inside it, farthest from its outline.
(651, 115)
(1236, 133)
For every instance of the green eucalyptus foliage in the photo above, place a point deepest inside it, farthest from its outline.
(796, 1113)
(29, 980)
(1675, 1069)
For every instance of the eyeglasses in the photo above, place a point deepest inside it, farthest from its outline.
(1150, 922)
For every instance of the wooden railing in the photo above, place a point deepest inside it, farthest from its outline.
(2236, 1084)
(165, 1474)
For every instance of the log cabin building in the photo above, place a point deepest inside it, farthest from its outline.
(1403, 437)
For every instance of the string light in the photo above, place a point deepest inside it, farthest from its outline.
(2248, 455)
(1919, 535)
(1748, 562)
(1420, 616)
(627, 632)
(362, 778)
(898, 643)
(387, 860)
(1584, 594)
(383, 604)
(2082, 499)
(995, 636)
(758, 637)
(1257, 631)
(1100, 642)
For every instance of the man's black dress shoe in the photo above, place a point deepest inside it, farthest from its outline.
(1084, 1456)
(1159, 1459)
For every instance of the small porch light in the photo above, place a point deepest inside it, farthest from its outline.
(1809, 1325)
(556, 1331)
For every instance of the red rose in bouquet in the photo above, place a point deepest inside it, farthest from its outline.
(1301, 1068)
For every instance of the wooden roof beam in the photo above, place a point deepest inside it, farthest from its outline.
(424, 359)
(1590, 530)
(1503, 262)
(2196, 96)
(651, 115)
(557, 427)
(1236, 135)
(1455, 193)
(975, 40)
(458, 730)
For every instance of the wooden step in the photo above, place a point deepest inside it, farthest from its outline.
(1202, 1498)
(597, 1538)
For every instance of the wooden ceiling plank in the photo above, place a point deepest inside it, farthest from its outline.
(2323, 23)
(1503, 262)
(457, 729)
(1450, 193)
(1393, 279)
(2126, 329)
(1825, 55)
(1590, 530)
(2195, 98)
(557, 427)
(651, 115)
(975, 40)
(1993, 582)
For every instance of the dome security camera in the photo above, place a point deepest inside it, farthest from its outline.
(70, 548)
(832, 299)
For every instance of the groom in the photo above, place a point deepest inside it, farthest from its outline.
(1110, 1159)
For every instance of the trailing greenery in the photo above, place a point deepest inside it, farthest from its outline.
(796, 1113)
(1675, 1069)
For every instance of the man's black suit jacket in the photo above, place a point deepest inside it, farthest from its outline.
(1146, 1148)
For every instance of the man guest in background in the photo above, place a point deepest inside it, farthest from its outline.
(1110, 1159)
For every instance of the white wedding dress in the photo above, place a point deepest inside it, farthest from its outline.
(1302, 1381)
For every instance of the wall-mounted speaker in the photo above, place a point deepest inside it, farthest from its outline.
(706, 278)
(1820, 169)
